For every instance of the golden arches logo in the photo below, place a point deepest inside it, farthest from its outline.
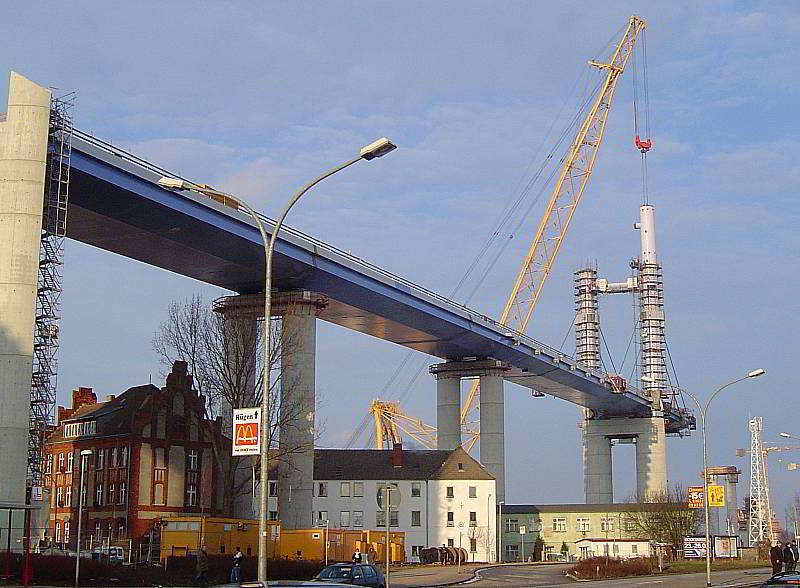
(246, 434)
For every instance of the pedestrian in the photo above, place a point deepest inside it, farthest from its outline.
(795, 553)
(202, 566)
(776, 558)
(788, 557)
(236, 569)
(357, 557)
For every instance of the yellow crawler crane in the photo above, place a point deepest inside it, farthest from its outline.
(566, 195)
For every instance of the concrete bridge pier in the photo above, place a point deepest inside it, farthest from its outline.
(648, 434)
(492, 411)
(23, 154)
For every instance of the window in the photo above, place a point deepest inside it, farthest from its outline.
(416, 489)
(344, 518)
(511, 552)
(634, 549)
(450, 519)
(582, 525)
(512, 525)
(607, 524)
(473, 519)
(273, 488)
(560, 525)
(97, 530)
(121, 529)
(112, 494)
(473, 544)
(101, 459)
(191, 495)
(123, 457)
(112, 463)
(630, 525)
(344, 489)
(68, 497)
(358, 518)
(358, 488)
(585, 553)
(122, 492)
(451, 543)
(322, 489)
(70, 460)
(58, 497)
(66, 531)
(450, 493)
(98, 496)
(473, 491)
(416, 518)
(616, 549)
(83, 494)
(605, 549)
(460, 467)
(273, 515)
(158, 494)
(60, 462)
(380, 518)
(192, 459)
(58, 531)
(415, 551)
(49, 466)
(322, 516)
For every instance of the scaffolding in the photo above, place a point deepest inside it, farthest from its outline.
(760, 528)
(48, 293)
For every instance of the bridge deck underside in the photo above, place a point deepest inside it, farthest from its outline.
(118, 207)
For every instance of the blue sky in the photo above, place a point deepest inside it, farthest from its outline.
(256, 98)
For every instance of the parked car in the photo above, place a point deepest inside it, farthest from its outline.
(358, 574)
(783, 579)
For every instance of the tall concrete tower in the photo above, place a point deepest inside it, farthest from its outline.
(23, 156)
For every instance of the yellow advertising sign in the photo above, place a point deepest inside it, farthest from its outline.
(716, 495)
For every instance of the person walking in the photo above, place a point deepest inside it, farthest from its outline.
(357, 557)
(236, 569)
(795, 553)
(788, 557)
(202, 566)
(776, 558)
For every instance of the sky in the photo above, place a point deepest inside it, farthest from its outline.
(257, 98)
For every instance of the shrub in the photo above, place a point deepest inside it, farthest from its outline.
(612, 567)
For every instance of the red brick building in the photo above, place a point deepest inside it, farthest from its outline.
(152, 457)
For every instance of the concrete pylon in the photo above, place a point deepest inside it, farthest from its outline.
(23, 155)
(448, 411)
(598, 481)
(492, 425)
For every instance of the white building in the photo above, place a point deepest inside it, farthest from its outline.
(445, 497)
(623, 548)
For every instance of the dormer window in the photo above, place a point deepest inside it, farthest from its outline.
(80, 429)
(460, 467)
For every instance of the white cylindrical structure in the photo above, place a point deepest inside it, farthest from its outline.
(598, 481)
(647, 234)
(448, 411)
(587, 320)
(23, 154)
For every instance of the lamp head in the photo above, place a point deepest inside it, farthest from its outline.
(86, 452)
(785, 435)
(377, 148)
(756, 373)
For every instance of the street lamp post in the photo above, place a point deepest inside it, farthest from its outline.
(85, 454)
(375, 149)
(703, 413)
(488, 525)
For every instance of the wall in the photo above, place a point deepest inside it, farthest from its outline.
(460, 533)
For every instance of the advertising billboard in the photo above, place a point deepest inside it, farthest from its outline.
(247, 431)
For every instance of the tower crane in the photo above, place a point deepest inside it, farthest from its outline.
(573, 176)
(390, 420)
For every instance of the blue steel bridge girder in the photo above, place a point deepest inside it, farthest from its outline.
(116, 205)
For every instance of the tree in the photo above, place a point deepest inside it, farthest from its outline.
(538, 547)
(664, 517)
(224, 361)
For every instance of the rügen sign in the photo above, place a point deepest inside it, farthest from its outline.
(247, 431)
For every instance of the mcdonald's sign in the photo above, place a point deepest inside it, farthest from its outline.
(246, 431)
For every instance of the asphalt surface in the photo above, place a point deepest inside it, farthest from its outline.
(545, 576)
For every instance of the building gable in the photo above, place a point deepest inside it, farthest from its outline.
(459, 465)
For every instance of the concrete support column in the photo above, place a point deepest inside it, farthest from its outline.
(296, 416)
(23, 153)
(598, 478)
(448, 411)
(651, 456)
(493, 444)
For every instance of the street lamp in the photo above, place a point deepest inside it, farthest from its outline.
(488, 525)
(787, 436)
(703, 414)
(375, 149)
(85, 454)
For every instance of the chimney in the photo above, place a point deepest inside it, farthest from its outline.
(397, 455)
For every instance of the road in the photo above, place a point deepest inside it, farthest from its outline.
(544, 576)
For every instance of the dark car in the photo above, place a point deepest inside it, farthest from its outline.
(358, 574)
(783, 579)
